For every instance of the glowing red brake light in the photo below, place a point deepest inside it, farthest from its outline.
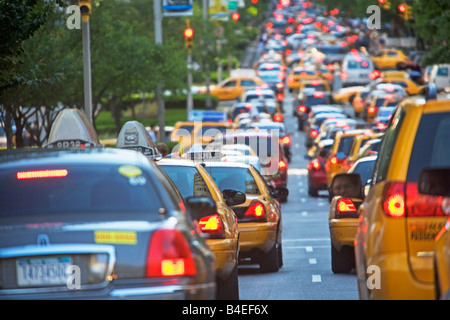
(212, 225)
(318, 94)
(393, 199)
(371, 110)
(286, 140)
(345, 205)
(282, 165)
(279, 97)
(315, 164)
(42, 174)
(169, 255)
(344, 76)
(302, 109)
(278, 118)
(313, 133)
(256, 210)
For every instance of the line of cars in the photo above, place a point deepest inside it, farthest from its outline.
(123, 223)
(388, 183)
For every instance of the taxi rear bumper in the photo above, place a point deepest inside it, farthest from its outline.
(257, 237)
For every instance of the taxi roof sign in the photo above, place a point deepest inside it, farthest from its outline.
(72, 129)
(134, 136)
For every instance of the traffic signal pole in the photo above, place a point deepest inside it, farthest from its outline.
(159, 89)
(85, 9)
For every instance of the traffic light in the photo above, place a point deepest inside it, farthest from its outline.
(385, 4)
(235, 16)
(85, 9)
(404, 11)
(189, 38)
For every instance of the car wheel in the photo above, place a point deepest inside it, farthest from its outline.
(280, 256)
(342, 261)
(269, 261)
(228, 289)
(313, 192)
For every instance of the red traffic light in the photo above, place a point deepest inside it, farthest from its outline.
(402, 8)
(188, 32)
(235, 16)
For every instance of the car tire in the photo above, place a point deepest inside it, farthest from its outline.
(342, 261)
(269, 261)
(313, 192)
(228, 289)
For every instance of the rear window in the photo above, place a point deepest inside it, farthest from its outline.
(78, 189)
(188, 181)
(345, 144)
(239, 179)
(431, 145)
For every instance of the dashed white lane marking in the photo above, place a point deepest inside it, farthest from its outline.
(312, 261)
(309, 249)
(316, 278)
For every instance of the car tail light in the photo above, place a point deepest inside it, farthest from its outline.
(344, 76)
(421, 205)
(381, 126)
(315, 164)
(212, 225)
(255, 210)
(359, 101)
(290, 79)
(282, 165)
(393, 199)
(280, 85)
(302, 109)
(280, 97)
(330, 67)
(371, 110)
(286, 140)
(169, 255)
(318, 94)
(345, 208)
(42, 174)
(313, 133)
(278, 118)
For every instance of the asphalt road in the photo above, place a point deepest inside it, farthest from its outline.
(306, 274)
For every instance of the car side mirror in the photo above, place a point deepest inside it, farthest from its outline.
(435, 182)
(347, 185)
(281, 192)
(233, 197)
(201, 207)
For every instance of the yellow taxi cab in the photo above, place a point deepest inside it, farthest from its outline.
(358, 101)
(410, 86)
(347, 94)
(395, 238)
(259, 218)
(346, 196)
(442, 262)
(434, 184)
(233, 87)
(221, 229)
(389, 58)
(337, 160)
(375, 101)
(358, 143)
(298, 74)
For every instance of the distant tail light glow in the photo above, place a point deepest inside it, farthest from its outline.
(282, 165)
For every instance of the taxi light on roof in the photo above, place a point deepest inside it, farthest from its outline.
(42, 174)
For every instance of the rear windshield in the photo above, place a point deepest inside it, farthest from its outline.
(188, 181)
(431, 145)
(345, 144)
(78, 189)
(239, 179)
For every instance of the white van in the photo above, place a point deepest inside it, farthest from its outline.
(440, 75)
(356, 69)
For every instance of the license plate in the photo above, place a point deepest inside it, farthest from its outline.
(363, 75)
(47, 271)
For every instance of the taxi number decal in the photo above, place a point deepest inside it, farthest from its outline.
(130, 171)
(117, 237)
